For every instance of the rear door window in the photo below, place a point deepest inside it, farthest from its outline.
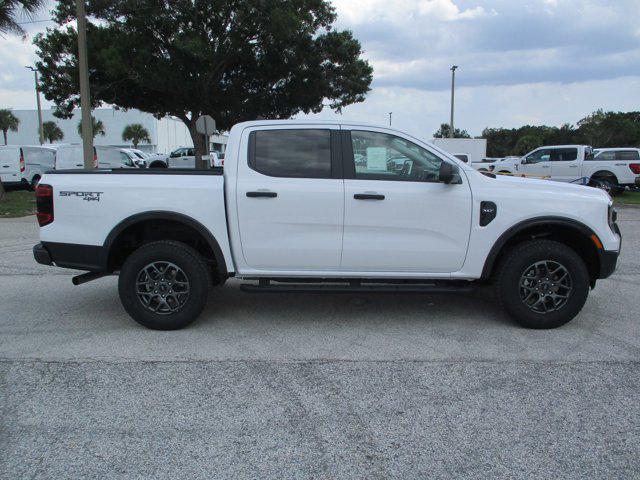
(564, 154)
(299, 153)
(606, 155)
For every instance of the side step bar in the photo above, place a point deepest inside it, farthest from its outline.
(444, 287)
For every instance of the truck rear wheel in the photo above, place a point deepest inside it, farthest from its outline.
(164, 285)
(542, 284)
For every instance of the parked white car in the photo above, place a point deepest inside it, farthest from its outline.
(25, 165)
(294, 212)
(570, 163)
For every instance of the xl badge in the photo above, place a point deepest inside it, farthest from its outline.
(88, 196)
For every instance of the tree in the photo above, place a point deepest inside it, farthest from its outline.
(235, 60)
(445, 128)
(51, 132)
(9, 11)
(610, 129)
(96, 125)
(135, 133)
(8, 121)
(527, 143)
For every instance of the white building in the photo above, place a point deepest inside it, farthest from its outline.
(166, 134)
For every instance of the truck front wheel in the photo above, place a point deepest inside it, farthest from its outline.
(542, 283)
(163, 285)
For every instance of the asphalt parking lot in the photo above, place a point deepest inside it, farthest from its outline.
(313, 386)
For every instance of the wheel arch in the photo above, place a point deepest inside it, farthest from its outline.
(140, 220)
(572, 233)
(604, 174)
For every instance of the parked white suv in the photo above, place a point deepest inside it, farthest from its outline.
(295, 212)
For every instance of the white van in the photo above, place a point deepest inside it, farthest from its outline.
(114, 157)
(38, 160)
(69, 157)
(11, 165)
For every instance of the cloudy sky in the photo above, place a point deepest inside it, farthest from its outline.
(520, 61)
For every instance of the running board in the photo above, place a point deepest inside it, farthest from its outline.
(267, 287)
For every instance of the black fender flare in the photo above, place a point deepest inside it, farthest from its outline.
(519, 227)
(173, 216)
(604, 174)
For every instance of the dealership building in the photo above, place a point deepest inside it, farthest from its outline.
(166, 134)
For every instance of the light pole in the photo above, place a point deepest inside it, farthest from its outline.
(390, 113)
(85, 99)
(40, 132)
(453, 84)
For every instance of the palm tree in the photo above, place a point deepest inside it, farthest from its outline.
(98, 127)
(51, 131)
(8, 121)
(9, 9)
(135, 133)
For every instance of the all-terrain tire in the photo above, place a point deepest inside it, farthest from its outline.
(514, 270)
(156, 263)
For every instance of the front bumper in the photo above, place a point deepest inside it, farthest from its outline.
(608, 262)
(609, 258)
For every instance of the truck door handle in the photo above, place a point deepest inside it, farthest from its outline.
(262, 194)
(545, 166)
(368, 196)
(573, 166)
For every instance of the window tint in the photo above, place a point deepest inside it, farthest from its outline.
(380, 156)
(627, 155)
(564, 154)
(291, 153)
(606, 155)
(539, 156)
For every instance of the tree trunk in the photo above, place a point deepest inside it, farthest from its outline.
(198, 143)
(1, 190)
(4, 132)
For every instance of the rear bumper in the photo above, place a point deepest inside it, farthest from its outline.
(68, 255)
(42, 255)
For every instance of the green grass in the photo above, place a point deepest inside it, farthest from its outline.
(627, 198)
(17, 203)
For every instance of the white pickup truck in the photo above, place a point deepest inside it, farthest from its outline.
(570, 163)
(328, 207)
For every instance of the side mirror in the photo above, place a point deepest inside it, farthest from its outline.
(523, 161)
(449, 173)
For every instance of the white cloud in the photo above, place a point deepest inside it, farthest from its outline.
(401, 11)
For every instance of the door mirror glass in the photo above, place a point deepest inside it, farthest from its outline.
(449, 173)
(174, 154)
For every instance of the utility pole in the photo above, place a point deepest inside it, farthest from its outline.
(453, 85)
(41, 133)
(390, 113)
(85, 98)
